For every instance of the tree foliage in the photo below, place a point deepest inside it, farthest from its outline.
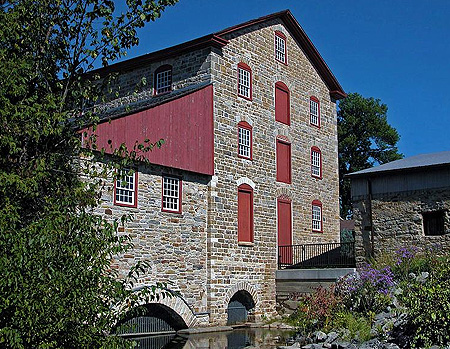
(57, 289)
(365, 139)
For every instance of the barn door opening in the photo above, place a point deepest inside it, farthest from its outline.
(239, 307)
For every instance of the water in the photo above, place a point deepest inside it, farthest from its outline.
(237, 339)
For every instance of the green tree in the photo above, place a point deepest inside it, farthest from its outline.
(365, 139)
(56, 286)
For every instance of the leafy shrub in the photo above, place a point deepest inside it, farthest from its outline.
(428, 303)
(316, 311)
(355, 326)
(366, 291)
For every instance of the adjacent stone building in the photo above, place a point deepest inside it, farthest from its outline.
(403, 203)
(249, 163)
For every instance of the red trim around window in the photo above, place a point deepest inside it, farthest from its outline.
(244, 66)
(283, 161)
(315, 99)
(245, 214)
(318, 203)
(161, 69)
(135, 192)
(246, 126)
(282, 36)
(180, 195)
(315, 149)
(282, 107)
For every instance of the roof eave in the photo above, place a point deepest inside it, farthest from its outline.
(395, 171)
(217, 40)
(210, 40)
(336, 90)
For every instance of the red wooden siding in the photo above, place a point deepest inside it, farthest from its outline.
(284, 229)
(283, 161)
(185, 124)
(245, 213)
(282, 103)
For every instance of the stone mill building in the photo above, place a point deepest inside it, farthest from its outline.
(249, 163)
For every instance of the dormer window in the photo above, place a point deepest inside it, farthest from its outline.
(163, 79)
(280, 47)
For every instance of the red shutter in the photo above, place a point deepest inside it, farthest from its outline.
(245, 213)
(282, 104)
(283, 162)
(284, 230)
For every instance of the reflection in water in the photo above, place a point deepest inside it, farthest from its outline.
(237, 339)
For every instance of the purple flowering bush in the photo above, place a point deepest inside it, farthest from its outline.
(368, 290)
(411, 285)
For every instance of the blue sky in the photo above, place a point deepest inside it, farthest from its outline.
(394, 50)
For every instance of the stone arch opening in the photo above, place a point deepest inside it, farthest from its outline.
(240, 308)
(151, 318)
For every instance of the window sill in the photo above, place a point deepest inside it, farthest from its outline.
(246, 98)
(246, 243)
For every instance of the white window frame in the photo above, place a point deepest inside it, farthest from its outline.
(280, 48)
(171, 194)
(317, 218)
(244, 82)
(244, 142)
(316, 163)
(314, 112)
(163, 81)
(125, 187)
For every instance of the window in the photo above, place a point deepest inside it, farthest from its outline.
(244, 81)
(245, 140)
(317, 216)
(171, 195)
(314, 111)
(280, 47)
(283, 161)
(125, 189)
(316, 162)
(245, 213)
(433, 223)
(163, 79)
(282, 103)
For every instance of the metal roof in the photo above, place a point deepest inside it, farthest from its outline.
(413, 162)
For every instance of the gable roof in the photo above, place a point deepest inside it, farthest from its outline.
(217, 40)
(413, 162)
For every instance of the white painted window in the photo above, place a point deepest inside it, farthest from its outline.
(125, 188)
(164, 81)
(315, 163)
(314, 112)
(316, 217)
(244, 84)
(171, 194)
(280, 48)
(245, 142)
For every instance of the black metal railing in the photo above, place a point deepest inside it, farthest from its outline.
(326, 255)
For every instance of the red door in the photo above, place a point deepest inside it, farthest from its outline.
(284, 231)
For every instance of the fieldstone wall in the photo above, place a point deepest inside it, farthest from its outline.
(229, 262)
(136, 85)
(174, 244)
(398, 221)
